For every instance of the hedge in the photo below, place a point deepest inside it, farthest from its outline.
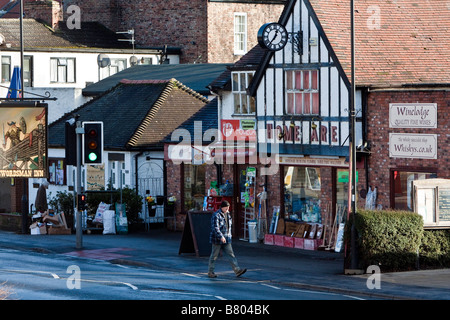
(397, 241)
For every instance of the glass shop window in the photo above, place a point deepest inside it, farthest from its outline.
(302, 193)
(403, 187)
(194, 186)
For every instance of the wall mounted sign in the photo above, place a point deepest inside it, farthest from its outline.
(413, 115)
(239, 130)
(419, 146)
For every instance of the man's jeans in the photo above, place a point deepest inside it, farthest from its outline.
(228, 250)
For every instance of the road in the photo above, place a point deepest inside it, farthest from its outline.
(49, 276)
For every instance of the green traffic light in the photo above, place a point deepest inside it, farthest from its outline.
(92, 156)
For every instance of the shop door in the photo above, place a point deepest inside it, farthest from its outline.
(245, 200)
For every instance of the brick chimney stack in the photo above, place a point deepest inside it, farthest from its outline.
(49, 11)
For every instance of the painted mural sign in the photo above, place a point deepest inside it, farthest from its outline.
(412, 115)
(23, 146)
(419, 146)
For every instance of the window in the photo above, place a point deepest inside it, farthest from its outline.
(194, 186)
(116, 65)
(302, 193)
(302, 92)
(240, 33)
(6, 69)
(403, 187)
(62, 70)
(57, 171)
(243, 103)
(28, 71)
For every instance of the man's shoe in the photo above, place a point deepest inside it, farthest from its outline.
(212, 275)
(240, 272)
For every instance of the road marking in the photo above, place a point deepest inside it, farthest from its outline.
(270, 286)
(191, 275)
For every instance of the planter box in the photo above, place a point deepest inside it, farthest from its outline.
(278, 240)
(288, 242)
(298, 243)
(268, 239)
(312, 244)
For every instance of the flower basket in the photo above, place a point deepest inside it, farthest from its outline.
(151, 210)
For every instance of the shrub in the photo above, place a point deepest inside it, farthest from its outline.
(390, 239)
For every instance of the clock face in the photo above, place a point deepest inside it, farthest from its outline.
(272, 36)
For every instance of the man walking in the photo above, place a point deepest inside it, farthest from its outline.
(220, 238)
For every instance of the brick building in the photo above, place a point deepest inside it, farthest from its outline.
(207, 31)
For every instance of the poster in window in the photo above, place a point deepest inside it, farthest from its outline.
(23, 140)
(313, 179)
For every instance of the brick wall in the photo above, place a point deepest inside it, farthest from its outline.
(379, 162)
(204, 30)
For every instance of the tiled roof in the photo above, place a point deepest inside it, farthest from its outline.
(207, 116)
(135, 114)
(194, 76)
(398, 42)
(91, 35)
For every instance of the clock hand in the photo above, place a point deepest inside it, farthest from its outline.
(274, 37)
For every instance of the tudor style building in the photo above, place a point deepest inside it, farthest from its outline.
(301, 95)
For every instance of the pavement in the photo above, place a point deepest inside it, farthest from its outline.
(305, 269)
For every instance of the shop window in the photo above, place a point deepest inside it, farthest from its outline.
(57, 171)
(302, 92)
(402, 188)
(302, 190)
(194, 186)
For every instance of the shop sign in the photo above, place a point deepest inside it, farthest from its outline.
(314, 162)
(419, 146)
(238, 130)
(413, 115)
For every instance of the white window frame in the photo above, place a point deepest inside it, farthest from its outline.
(243, 104)
(6, 64)
(62, 70)
(240, 33)
(302, 91)
(117, 65)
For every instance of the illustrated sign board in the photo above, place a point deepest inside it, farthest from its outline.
(413, 115)
(23, 140)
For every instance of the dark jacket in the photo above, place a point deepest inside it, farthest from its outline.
(220, 228)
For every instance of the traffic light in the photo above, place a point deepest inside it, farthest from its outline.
(93, 143)
(81, 203)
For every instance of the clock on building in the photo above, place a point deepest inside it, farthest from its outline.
(272, 36)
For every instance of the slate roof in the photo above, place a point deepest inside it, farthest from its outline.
(250, 61)
(135, 114)
(194, 76)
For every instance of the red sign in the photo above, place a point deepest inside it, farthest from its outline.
(231, 130)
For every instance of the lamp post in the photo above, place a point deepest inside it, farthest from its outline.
(354, 262)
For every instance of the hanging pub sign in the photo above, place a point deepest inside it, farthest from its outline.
(23, 140)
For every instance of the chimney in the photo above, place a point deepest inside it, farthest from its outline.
(49, 11)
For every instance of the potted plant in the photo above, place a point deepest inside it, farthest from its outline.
(151, 206)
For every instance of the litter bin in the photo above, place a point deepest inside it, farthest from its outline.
(252, 231)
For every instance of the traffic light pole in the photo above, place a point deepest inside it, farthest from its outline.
(79, 230)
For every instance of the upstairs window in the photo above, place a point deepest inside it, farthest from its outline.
(6, 69)
(243, 103)
(240, 33)
(116, 66)
(302, 92)
(62, 70)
